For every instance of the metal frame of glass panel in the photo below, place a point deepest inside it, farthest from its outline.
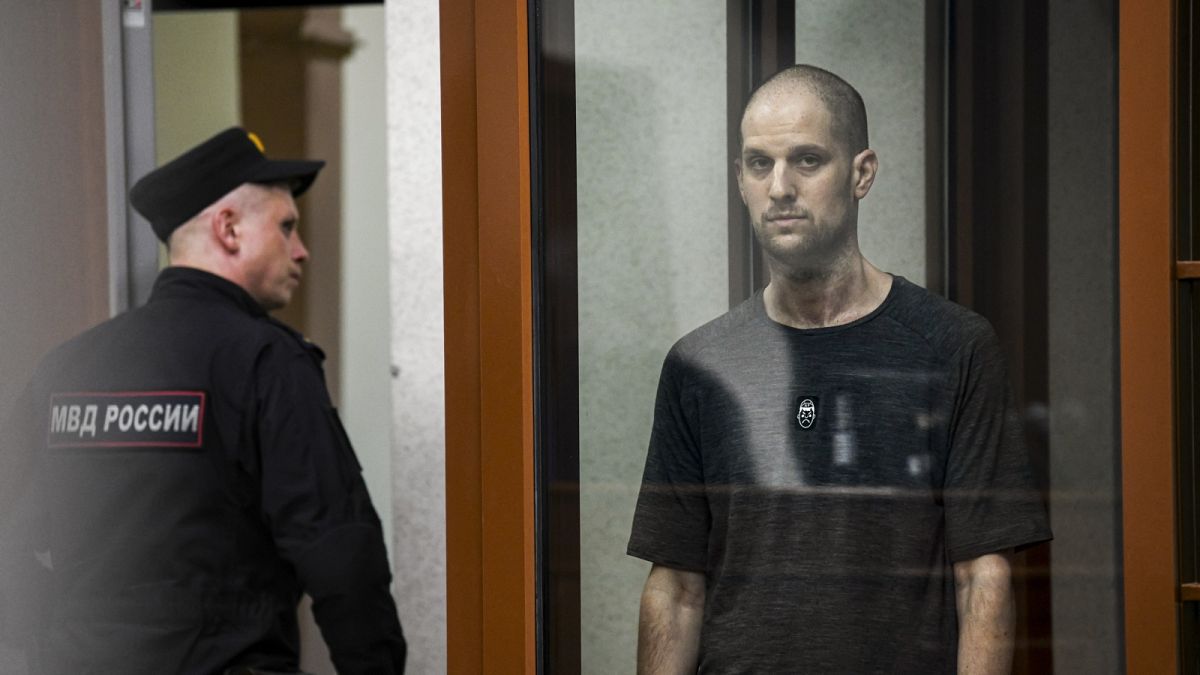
(1187, 332)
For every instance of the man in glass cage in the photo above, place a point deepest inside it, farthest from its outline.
(836, 478)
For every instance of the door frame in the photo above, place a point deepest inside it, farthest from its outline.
(1146, 226)
(489, 336)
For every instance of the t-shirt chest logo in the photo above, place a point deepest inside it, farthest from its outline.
(806, 412)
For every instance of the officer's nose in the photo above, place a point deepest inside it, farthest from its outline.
(299, 251)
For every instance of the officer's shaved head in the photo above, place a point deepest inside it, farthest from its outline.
(842, 100)
(195, 244)
(194, 236)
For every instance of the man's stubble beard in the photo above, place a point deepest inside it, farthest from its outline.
(819, 256)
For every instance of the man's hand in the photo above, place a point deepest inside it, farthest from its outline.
(986, 614)
(669, 626)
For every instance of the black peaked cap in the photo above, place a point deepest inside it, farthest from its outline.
(173, 193)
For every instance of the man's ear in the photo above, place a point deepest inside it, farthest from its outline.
(224, 226)
(866, 165)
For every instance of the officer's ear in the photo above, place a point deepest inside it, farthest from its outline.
(224, 224)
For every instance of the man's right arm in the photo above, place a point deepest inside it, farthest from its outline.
(669, 625)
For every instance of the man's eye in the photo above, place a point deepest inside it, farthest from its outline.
(759, 164)
(808, 161)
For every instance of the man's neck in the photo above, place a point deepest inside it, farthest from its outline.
(210, 264)
(831, 296)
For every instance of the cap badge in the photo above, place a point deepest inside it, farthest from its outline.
(256, 141)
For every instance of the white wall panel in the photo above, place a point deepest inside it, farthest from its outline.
(418, 390)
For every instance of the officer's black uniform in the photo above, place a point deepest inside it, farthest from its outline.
(185, 549)
(191, 480)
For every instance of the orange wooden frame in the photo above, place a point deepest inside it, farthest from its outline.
(489, 353)
(1147, 269)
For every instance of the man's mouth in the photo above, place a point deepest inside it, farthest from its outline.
(785, 216)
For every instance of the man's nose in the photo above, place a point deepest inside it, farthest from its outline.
(783, 188)
(299, 251)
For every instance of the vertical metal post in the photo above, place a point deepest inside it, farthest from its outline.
(129, 133)
(760, 41)
(138, 53)
(114, 138)
(937, 165)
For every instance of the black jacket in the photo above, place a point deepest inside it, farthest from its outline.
(190, 480)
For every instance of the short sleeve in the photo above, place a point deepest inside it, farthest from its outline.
(672, 520)
(992, 502)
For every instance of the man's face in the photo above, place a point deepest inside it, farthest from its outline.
(272, 253)
(798, 179)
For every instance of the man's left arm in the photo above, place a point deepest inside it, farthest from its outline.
(986, 614)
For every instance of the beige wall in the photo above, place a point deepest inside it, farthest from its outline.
(196, 82)
(365, 326)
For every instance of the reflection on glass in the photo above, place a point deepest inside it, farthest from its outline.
(652, 264)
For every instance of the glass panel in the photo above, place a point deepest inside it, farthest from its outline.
(259, 68)
(54, 271)
(994, 131)
(652, 264)
(1079, 419)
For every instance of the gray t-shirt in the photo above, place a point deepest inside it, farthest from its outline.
(825, 481)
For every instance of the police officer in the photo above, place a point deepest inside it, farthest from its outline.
(190, 475)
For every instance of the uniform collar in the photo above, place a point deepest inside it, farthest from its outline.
(191, 283)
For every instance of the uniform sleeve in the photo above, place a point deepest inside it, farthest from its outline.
(319, 512)
(991, 499)
(672, 520)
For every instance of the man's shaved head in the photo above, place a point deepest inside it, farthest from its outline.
(842, 100)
